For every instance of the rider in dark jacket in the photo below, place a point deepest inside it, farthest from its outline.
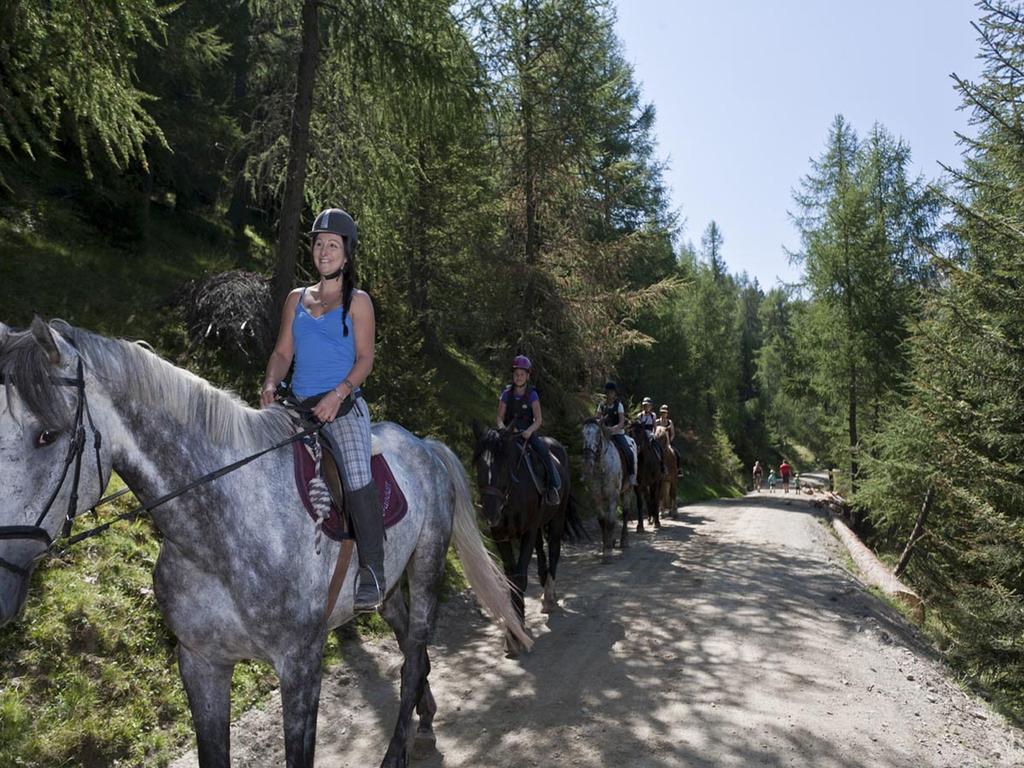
(612, 414)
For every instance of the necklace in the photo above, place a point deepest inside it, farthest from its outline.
(324, 303)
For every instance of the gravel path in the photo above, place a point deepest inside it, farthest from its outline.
(732, 637)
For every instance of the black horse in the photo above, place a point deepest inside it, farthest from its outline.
(512, 496)
(648, 476)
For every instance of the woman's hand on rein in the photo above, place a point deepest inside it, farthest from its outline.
(327, 409)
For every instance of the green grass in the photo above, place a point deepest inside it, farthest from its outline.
(693, 488)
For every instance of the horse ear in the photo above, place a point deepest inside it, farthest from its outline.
(57, 348)
(45, 338)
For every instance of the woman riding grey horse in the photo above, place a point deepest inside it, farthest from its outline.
(328, 329)
(238, 576)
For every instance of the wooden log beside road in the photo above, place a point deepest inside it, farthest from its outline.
(875, 573)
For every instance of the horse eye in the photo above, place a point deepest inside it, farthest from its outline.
(46, 437)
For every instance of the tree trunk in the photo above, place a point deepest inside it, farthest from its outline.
(238, 208)
(298, 151)
(916, 534)
(852, 423)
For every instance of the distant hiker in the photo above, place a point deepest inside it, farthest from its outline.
(758, 476)
(786, 472)
(772, 480)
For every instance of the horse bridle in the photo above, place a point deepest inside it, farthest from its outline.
(493, 490)
(76, 449)
(599, 451)
(74, 456)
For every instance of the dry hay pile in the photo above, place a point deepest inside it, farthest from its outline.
(232, 312)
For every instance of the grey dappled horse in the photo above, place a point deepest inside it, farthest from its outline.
(238, 576)
(604, 473)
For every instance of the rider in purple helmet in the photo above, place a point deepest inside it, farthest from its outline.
(519, 407)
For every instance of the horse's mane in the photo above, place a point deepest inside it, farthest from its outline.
(491, 440)
(661, 431)
(133, 372)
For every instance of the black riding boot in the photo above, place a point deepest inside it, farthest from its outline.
(368, 521)
(552, 494)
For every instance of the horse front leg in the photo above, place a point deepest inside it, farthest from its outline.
(624, 541)
(652, 503)
(511, 564)
(520, 580)
(208, 687)
(300, 675)
(543, 572)
(607, 537)
(639, 509)
(555, 532)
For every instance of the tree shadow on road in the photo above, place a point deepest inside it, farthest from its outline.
(679, 653)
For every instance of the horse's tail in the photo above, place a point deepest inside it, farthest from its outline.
(484, 573)
(575, 530)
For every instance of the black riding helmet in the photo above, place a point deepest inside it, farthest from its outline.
(338, 222)
(611, 386)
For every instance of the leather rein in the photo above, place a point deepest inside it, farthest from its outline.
(73, 456)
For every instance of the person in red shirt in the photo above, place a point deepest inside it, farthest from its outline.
(785, 471)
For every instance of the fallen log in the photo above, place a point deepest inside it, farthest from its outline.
(876, 574)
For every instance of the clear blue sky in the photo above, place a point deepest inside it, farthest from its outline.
(746, 90)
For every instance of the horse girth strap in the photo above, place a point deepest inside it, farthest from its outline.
(338, 577)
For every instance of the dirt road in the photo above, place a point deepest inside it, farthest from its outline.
(732, 637)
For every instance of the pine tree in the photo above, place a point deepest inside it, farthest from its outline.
(863, 227)
(63, 78)
(958, 441)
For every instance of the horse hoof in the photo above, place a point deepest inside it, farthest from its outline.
(424, 746)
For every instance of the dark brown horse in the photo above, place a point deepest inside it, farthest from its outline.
(648, 476)
(512, 496)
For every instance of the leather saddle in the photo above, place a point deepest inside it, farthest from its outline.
(336, 525)
(393, 503)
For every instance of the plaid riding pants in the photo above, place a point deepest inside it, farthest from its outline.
(350, 438)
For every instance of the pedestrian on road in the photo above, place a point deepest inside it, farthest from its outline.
(758, 476)
(772, 479)
(786, 472)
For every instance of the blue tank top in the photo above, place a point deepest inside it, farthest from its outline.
(323, 355)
